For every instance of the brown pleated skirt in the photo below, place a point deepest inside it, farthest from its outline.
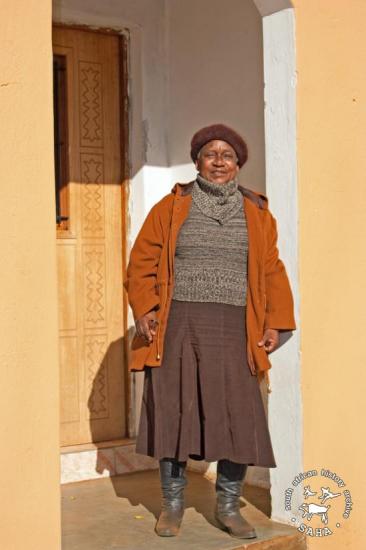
(203, 402)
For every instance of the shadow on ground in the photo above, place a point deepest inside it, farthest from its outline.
(119, 513)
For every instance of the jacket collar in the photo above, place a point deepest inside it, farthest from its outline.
(184, 189)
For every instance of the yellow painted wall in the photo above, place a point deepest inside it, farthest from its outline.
(29, 404)
(331, 60)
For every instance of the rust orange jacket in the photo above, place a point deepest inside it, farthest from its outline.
(150, 276)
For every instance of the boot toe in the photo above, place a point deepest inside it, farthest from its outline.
(167, 531)
(169, 523)
(236, 526)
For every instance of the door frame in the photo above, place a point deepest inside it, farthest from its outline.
(124, 49)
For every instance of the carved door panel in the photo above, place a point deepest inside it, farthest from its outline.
(89, 238)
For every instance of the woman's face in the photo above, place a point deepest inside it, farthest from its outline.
(217, 162)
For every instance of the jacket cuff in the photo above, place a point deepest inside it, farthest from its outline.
(279, 322)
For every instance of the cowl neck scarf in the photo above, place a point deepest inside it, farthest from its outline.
(220, 201)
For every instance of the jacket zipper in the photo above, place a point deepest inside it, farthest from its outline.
(158, 356)
(268, 383)
(157, 341)
(157, 344)
(159, 324)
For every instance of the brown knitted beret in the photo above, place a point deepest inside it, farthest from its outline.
(223, 133)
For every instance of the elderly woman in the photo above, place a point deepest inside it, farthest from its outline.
(209, 296)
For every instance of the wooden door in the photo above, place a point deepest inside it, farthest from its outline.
(89, 235)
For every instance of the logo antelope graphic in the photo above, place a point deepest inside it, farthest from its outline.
(311, 509)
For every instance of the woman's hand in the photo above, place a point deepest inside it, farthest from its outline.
(146, 326)
(270, 340)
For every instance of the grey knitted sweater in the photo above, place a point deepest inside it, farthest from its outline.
(210, 262)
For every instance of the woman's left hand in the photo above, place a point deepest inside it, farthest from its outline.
(270, 340)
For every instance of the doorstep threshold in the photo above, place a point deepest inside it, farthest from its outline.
(97, 445)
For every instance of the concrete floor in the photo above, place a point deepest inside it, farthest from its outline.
(119, 513)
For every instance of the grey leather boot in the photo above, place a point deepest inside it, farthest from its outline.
(229, 482)
(173, 482)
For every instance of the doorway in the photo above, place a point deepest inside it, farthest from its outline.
(90, 204)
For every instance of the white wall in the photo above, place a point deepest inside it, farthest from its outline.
(216, 75)
(285, 406)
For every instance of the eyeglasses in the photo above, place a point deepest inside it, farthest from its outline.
(226, 156)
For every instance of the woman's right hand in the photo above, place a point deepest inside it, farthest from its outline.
(146, 326)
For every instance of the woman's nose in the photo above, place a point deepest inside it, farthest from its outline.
(218, 161)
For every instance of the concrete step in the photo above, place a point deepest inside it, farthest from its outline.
(119, 513)
(103, 459)
(286, 542)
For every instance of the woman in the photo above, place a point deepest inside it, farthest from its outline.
(209, 296)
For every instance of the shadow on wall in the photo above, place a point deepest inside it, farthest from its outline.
(188, 67)
(198, 75)
(215, 74)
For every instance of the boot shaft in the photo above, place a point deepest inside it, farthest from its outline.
(229, 483)
(172, 479)
(173, 482)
